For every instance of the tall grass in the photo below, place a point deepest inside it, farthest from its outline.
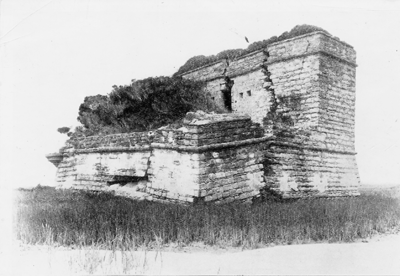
(77, 218)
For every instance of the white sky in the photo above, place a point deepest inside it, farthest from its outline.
(54, 53)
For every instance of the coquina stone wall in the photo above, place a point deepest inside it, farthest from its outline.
(215, 158)
(319, 71)
(248, 95)
(214, 75)
(290, 130)
(302, 90)
(96, 162)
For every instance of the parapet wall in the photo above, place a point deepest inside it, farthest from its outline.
(131, 141)
(93, 162)
(209, 158)
(213, 129)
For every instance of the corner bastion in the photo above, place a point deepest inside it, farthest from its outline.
(290, 130)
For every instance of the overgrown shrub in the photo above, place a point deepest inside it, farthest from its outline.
(233, 54)
(143, 105)
(153, 102)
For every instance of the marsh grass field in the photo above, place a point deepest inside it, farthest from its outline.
(64, 232)
(71, 218)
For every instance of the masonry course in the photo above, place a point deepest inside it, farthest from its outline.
(308, 80)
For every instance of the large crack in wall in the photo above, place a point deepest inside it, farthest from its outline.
(301, 159)
(293, 89)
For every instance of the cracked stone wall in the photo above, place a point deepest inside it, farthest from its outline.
(216, 158)
(310, 81)
(302, 93)
(248, 94)
(320, 71)
(210, 158)
(214, 74)
(95, 162)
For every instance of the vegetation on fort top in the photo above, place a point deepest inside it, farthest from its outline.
(143, 105)
(45, 215)
(154, 102)
(198, 61)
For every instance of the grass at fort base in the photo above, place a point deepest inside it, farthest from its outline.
(45, 215)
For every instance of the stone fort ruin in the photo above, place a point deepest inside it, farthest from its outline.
(290, 131)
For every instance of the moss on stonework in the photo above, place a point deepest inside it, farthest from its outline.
(201, 60)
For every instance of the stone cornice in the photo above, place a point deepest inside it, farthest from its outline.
(312, 53)
(212, 146)
(216, 62)
(201, 67)
(255, 68)
(181, 148)
(171, 147)
(111, 149)
(311, 34)
(291, 145)
(271, 45)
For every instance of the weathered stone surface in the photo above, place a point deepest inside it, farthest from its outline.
(102, 167)
(291, 130)
(210, 158)
(318, 71)
(207, 158)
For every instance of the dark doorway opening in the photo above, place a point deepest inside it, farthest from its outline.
(227, 93)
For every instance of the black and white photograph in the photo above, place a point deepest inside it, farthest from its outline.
(225, 137)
